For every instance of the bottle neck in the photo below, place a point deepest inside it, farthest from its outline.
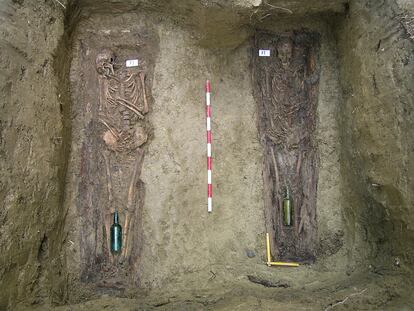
(116, 218)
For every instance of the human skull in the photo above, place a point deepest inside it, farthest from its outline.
(284, 51)
(104, 62)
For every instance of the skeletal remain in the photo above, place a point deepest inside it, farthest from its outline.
(130, 209)
(286, 94)
(110, 128)
(142, 78)
(298, 164)
(141, 136)
(110, 140)
(110, 209)
(284, 50)
(122, 106)
(129, 106)
(275, 166)
(104, 62)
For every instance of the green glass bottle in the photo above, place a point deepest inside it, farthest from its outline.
(116, 235)
(287, 209)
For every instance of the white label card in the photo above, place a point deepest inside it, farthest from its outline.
(264, 52)
(132, 63)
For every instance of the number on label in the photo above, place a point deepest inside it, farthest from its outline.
(264, 52)
(132, 63)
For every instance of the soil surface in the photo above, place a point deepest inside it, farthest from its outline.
(191, 259)
(182, 244)
(374, 290)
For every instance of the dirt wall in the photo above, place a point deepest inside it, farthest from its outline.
(32, 153)
(376, 61)
(364, 135)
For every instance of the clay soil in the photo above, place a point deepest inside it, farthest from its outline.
(361, 237)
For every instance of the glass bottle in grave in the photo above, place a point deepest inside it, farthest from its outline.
(116, 235)
(287, 209)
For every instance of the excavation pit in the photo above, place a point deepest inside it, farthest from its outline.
(328, 115)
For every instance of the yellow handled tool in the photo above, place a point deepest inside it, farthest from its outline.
(276, 263)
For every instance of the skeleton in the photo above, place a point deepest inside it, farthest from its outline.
(284, 51)
(122, 108)
(286, 93)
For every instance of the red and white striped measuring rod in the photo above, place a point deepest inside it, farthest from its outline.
(209, 160)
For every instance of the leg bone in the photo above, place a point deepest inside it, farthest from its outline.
(131, 199)
(110, 209)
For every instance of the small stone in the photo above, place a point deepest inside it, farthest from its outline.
(250, 253)
(397, 262)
